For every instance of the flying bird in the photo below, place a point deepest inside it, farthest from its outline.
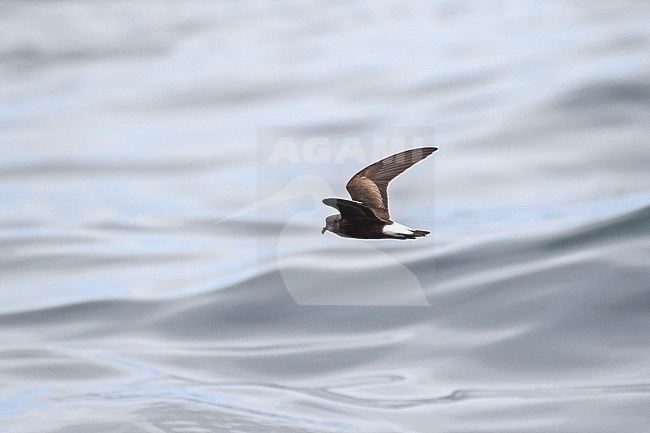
(366, 216)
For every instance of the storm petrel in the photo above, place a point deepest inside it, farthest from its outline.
(366, 215)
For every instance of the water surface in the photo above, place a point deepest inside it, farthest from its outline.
(127, 130)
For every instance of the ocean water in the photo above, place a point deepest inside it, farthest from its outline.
(161, 271)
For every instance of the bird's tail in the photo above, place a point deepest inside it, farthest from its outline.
(420, 233)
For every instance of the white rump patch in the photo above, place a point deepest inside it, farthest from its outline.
(396, 229)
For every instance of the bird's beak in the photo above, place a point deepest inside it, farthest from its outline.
(323, 231)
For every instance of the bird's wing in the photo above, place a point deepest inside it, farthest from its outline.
(370, 185)
(352, 211)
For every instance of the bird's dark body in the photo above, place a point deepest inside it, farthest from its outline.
(366, 216)
(369, 231)
(373, 231)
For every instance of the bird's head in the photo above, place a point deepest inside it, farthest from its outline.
(332, 223)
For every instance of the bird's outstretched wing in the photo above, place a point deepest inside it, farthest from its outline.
(352, 211)
(370, 185)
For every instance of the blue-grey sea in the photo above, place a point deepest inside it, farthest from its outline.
(162, 267)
